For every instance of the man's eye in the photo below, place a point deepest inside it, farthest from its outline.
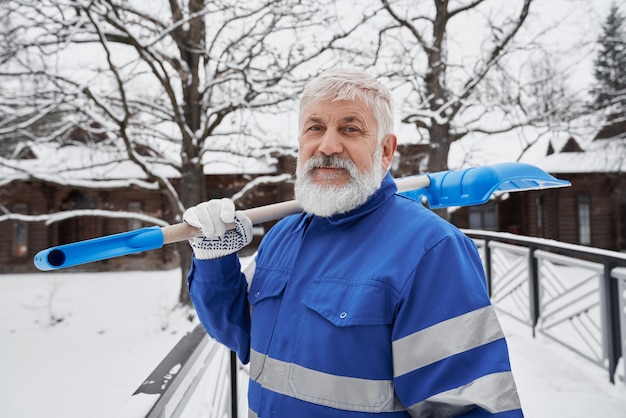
(314, 128)
(351, 129)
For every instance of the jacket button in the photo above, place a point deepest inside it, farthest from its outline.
(256, 295)
(343, 315)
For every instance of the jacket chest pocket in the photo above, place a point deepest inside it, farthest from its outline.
(266, 285)
(345, 304)
(348, 322)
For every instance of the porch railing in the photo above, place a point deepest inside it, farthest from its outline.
(573, 294)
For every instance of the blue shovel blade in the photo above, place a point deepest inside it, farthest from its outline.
(97, 249)
(476, 185)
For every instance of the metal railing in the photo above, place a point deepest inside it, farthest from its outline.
(573, 294)
(198, 377)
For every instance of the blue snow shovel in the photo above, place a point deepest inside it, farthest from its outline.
(464, 187)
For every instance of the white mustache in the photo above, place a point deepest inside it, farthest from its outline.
(330, 161)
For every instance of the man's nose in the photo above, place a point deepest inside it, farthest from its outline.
(330, 143)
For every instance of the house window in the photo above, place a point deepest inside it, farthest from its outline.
(483, 217)
(134, 223)
(584, 219)
(20, 233)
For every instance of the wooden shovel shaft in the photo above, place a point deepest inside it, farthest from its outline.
(261, 214)
(183, 231)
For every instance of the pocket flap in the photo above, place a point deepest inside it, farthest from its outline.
(351, 303)
(266, 285)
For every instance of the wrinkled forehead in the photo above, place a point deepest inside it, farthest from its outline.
(355, 109)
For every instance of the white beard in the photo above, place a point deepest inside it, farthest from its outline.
(325, 201)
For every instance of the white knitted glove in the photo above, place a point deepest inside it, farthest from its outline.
(218, 240)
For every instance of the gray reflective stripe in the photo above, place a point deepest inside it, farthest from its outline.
(445, 339)
(340, 392)
(251, 414)
(494, 393)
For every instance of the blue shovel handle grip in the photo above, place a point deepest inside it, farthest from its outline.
(97, 249)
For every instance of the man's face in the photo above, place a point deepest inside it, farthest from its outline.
(346, 129)
(341, 162)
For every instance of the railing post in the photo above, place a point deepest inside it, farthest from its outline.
(610, 314)
(233, 385)
(488, 268)
(621, 292)
(533, 288)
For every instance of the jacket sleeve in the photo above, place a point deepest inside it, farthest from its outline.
(218, 291)
(450, 357)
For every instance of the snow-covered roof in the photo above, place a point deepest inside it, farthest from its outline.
(81, 165)
(571, 155)
(575, 151)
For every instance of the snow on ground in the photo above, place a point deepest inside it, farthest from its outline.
(554, 382)
(79, 344)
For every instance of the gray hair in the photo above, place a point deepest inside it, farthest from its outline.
(351, 84)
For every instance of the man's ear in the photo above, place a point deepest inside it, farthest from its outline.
(389, 144)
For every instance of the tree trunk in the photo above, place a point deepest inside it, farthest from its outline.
(438, 156)
(190, 40)
(192, 192)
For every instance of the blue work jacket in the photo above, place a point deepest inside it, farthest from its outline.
(382, 311)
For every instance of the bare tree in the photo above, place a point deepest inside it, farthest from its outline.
(164, 82)
(467, 67)
(441, 87)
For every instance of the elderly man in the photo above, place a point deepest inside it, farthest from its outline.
(366, 303)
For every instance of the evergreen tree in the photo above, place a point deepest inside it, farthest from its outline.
(610, 64)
